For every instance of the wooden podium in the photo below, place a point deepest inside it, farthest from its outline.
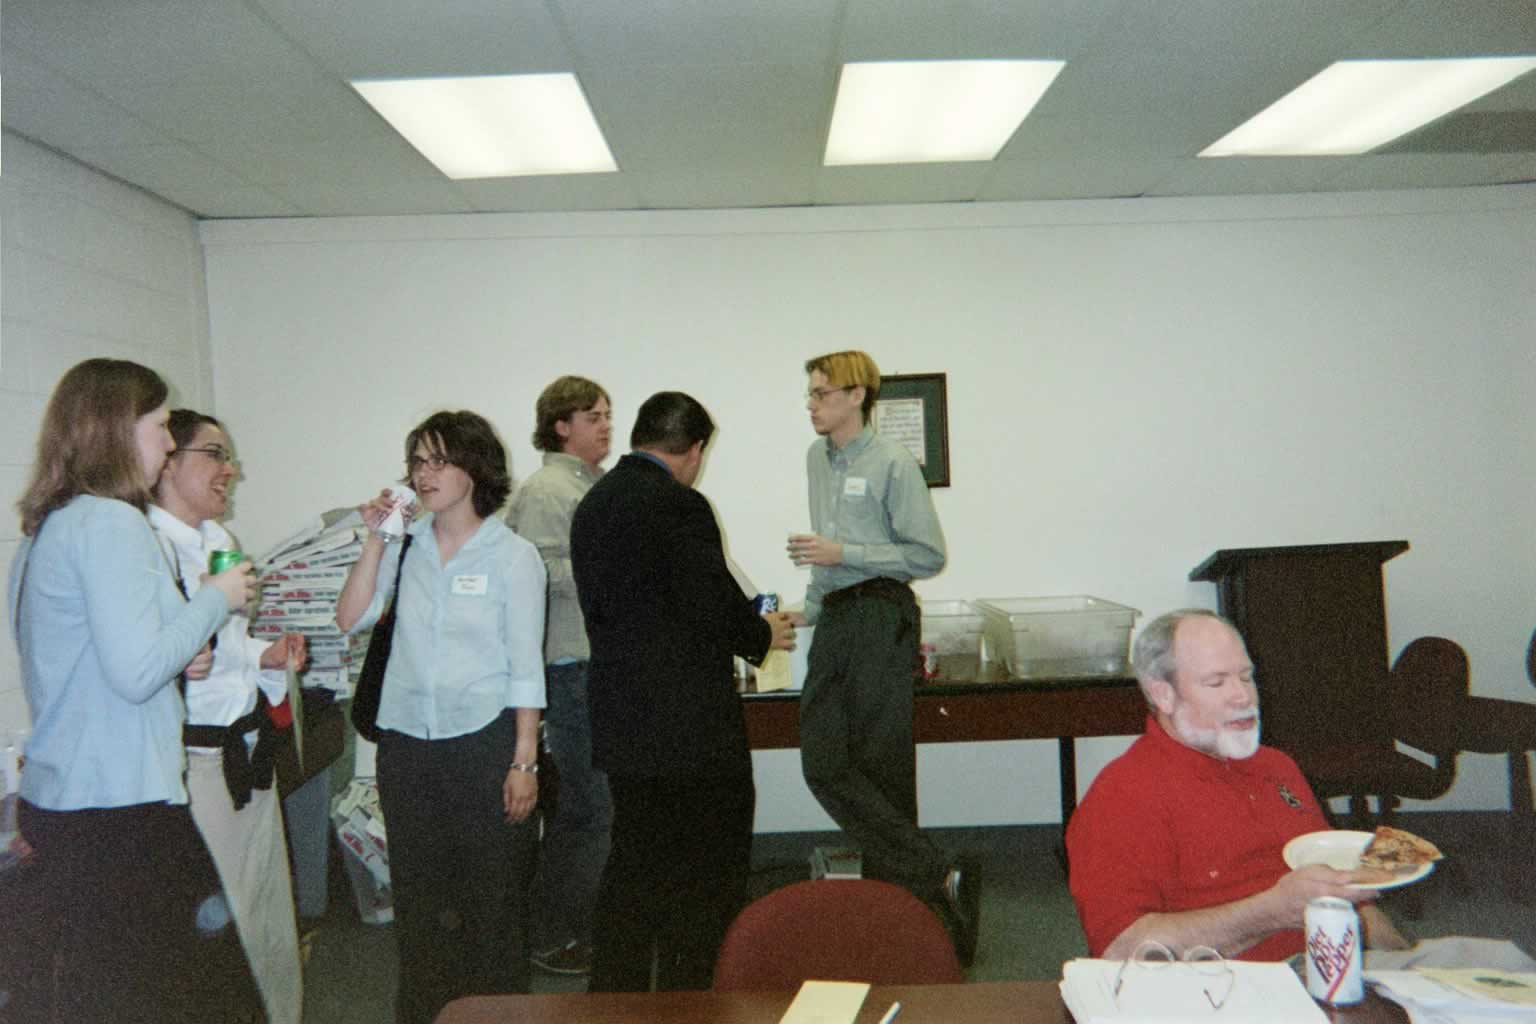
(1315, 621)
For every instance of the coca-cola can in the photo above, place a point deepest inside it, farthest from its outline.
(1334, 952)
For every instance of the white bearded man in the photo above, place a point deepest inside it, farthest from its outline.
(1179, 839)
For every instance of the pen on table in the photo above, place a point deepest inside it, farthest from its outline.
(890, 1014)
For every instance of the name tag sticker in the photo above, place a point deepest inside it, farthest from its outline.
(855, 487)
(470, 586)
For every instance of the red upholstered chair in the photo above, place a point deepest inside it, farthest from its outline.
(836, 930)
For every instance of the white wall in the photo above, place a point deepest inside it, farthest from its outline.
(1132, 385)
(88, 267)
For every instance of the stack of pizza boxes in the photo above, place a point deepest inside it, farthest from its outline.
(301, 581)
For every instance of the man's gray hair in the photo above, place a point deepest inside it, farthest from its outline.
(1152, 654)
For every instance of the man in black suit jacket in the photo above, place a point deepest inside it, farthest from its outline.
(664, 617)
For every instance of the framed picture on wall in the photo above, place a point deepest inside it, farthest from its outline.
(913, 410)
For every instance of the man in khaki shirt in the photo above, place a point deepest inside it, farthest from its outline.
(574, 429)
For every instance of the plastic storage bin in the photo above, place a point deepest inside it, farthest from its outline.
(1048, 637)
(954, 629)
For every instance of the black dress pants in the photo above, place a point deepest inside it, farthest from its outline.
(856, 745)
(676, 877)
(456, 867)
(120, 889)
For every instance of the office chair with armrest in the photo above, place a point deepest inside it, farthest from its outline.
(836, 930)
(1424, 689)
(1452, 718)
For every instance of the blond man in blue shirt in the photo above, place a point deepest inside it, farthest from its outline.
(874, 530)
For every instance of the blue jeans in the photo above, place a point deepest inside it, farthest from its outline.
(576, 842)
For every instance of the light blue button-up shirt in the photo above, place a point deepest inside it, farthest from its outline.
(469, 635)
(103, 634)
(870, 496)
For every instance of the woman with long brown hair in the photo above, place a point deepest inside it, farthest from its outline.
(104, 635)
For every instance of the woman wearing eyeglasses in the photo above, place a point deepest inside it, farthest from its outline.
(235, 711)
(458, 716)
(104, 636)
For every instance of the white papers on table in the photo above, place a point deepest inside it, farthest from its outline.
(1262, 993)
(1445, 995)
(826, 1002)
(1438, 980)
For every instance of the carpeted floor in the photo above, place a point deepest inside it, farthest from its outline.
(1028, 926)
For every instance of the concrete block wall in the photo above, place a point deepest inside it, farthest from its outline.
(88, 267)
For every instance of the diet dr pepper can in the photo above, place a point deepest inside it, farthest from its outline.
(1333, 952)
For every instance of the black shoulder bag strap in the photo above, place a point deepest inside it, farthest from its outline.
(370, 681)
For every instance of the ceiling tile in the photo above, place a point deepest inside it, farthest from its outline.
(1082, 178)
(164, 40)
(675, 117)
(551, 193)
(763, 185)
(1232, 176)
(225, 107)
(626, 33)
(378, 158)
(1429, 170)
(324, 199)
(1434, 28)
(182, 175)
(50, 107)
(971, 29)
(906, 183)
(408, 38)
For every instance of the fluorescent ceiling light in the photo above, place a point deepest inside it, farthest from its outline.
(914, 112)
(1353, 106)
(494, 126)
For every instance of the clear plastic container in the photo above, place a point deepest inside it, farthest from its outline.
(1052, 637)
(951, 640)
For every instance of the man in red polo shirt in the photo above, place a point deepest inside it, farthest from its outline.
(1179, 838)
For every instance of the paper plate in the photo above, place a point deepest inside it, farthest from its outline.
(1341, 849)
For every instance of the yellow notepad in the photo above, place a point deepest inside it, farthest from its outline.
(773, 673)
(826, 1002)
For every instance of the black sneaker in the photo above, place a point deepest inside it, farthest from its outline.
(575, 957)
(962, 895)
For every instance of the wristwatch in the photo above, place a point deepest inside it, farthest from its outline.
(532, 767)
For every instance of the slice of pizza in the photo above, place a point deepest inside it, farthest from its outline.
(1396, 851)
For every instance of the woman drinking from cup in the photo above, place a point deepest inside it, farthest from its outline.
(459, 714)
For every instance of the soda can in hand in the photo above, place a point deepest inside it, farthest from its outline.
(1333, 952)
(218, 561)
